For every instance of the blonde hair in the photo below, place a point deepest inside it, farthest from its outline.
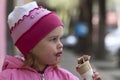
(32, 61)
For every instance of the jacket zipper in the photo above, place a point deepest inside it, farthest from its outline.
(42, 76)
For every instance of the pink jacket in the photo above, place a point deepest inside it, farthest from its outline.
(12, 70)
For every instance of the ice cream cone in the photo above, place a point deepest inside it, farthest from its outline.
(84, 68)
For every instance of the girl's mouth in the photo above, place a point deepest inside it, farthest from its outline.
(59, 54)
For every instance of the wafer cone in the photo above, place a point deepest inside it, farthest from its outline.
(84, 67)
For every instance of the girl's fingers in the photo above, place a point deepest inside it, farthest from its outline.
(84, 79)
(96, 76)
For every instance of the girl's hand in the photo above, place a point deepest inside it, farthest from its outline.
(96, 76)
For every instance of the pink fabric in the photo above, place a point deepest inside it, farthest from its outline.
(37, 32)
(26, 22)
(13, 70)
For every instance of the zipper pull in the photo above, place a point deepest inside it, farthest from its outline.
(42, 77)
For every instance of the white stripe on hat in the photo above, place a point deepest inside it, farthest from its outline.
(19, 12)
(23, 18)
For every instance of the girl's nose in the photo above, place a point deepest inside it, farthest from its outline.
(60, 45)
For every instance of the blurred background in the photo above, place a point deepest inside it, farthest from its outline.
(91, 27)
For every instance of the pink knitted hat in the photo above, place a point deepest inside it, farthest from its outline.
(29, 24)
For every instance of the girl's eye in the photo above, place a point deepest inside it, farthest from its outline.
(53, 39)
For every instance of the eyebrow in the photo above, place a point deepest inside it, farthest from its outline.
(54, 36)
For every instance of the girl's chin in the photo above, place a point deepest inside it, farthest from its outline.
(55, 63)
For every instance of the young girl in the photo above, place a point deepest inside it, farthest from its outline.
(36, 32)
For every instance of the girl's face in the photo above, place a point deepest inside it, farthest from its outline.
(49, 50)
